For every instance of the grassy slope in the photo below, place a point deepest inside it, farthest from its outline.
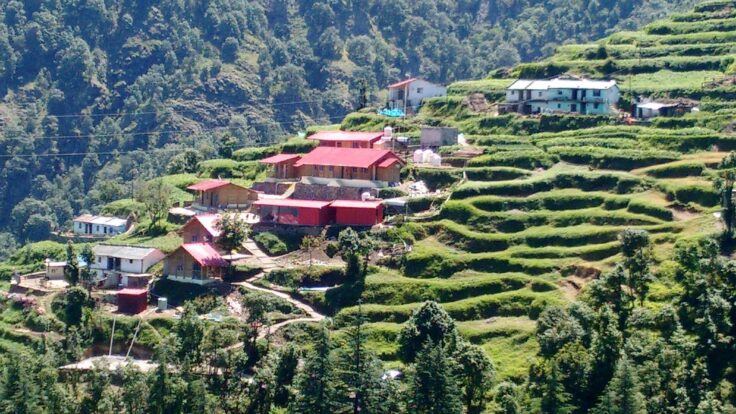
(496, 237)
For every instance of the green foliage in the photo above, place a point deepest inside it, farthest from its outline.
(429, 324)
(124, 208)
(156, 199)
(233, 231)
(274, 244)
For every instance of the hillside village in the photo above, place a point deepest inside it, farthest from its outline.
(498, 199)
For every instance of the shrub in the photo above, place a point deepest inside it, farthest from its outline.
(255, 153)
(298, 146)
(123, 208)
(495, 173)
(417, 204)
(702, 194)
(609, 158)
(316, 276)
(271, 243)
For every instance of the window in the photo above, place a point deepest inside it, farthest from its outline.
(539, 93)
(356, 145)
(559, 106)
(597, 92)
(331, 168)
(596, 106)
(365, 170)
(559, 92)
(420, 90)
(130, 261)
(99, 260)
(195, 238)
(355, 169)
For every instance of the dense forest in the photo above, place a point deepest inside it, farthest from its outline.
(99, 94)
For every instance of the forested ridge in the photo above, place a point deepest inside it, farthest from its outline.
(100, 81)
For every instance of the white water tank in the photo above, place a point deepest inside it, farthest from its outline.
(436, 160)
(365, 196)
(427, 156)
(418, 155)
(388, 132)
(163, 304)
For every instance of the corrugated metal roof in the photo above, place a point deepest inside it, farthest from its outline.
(208, 185)
(402, 83)
(344, 157)
(388, 162)
(208, 221)
(336, 136)
(108, 221)
(279, 158)
(654, 105)
(559, 83)
(132, 292)
(290, 202)
(204, 254)
(372, 204)
(123, 252)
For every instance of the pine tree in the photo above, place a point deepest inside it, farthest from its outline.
(262, 388)
(190, 333)
(285, 372)
(316, 385)
(476, 376)
(429, 322)
(133, 387)
(432, 386)
(71, 270)
(622, 395)
(555, 399)
(506, 399)
(19, 389)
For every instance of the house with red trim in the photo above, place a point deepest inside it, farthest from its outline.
(201, 228)
(408, 94)
(197, 263)
(340, 163)
(222, 194)
(346, 139)
(294, 212)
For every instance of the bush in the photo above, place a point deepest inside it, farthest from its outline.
(702, 194)
(271, 244)
(123, 208)
(495, 173)
(316, 276)
(417, 204)
(391, 192)
(298, 146)
(255, 153)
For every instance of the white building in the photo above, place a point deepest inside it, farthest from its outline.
(563, 94)
(90, 225)
(123, 265)
(408, 94)
(55, 270)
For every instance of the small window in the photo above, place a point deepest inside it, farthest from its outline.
(559, 106)
(539, 93)
(331, 168)
(355, 169)
(99, 260)
(365, 170)
(130, 260)
(195, 238)
(420, 90)
(597, 92)
(559, 92)
(596, 106)
(356, 145)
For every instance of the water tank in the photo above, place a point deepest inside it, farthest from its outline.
(388, 132)
(427, 156)
(436, 160)
(163, 304)
(418, 155)
(365, 196)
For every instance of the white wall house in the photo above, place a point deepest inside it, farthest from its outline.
(117, 264)
(568, 95)
(90, 225)
(408, 94)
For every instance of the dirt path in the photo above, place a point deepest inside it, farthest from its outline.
(266, 261)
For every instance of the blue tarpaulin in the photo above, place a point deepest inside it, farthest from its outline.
(393, 113)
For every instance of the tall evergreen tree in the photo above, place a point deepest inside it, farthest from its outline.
(71, 270)
(432, 386)
(622, 395)
(429, 322)
(476, 375)
(316, 384)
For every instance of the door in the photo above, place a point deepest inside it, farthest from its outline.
(574, 95)
(573, 108)
(215, 200)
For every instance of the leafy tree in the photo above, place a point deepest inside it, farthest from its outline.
(309, 243)
(432, 386)
(555, 329)
(190, 332)
(156, 198)
(725, 183)
(262, 388)
(606, 349)
(233, 231)
(89, 258)
(71, 270)
(429, 322)
(315, 384)
(636, 248)
(184, 162)
(506, 398)
(133, 387)
(476, 375)
(166, 389)
(354, 248)
(258, 306)
(76, 300)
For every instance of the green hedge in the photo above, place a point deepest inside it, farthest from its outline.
(277, 244)
(436, 178)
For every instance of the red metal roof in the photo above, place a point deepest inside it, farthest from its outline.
(402, 83)
(372, 204)
(290, 202)
(204, 254)
(132, 292)
(388, 162)
(337, 136)
(208, 185)
(279, 158)
(344, 157)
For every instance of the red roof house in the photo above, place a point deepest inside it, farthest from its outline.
(201, 228)
(358, 213)
(283, 165)
(351, 163)
(220, 194)
(294, 212)
(346, 139)
(196, 263)
(132, 301)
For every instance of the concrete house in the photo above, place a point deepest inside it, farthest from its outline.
(562, 94)
(408, 94)
(651, 109)
(123, 265)
(221, 194)
(89, 225)
(197, 263)
(295, 212)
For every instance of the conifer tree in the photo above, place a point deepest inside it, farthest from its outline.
(622, 395)
(71, 270)
(476, 375)
(555, 399)
(432, 386)
(429, 322)
(506, 399)
(316, 384)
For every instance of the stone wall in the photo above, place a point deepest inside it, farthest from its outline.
(271, 188)
(326, 193)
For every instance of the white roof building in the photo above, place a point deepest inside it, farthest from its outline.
(563, 94)
(87, 224)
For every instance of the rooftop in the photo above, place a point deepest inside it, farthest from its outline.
(372, 204)
(108, 221)
(336, 136)
(402, 83)
(132, 292)
(344, 157)
(279, 158)
(209, 222)
(561, 83)
(208, 185)
(204, 254)
(290, 202)
(123, 252)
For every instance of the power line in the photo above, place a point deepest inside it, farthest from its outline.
(131, 134)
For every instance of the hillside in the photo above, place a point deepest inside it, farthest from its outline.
(104, 83)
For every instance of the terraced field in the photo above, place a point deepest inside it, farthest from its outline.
(538, 214)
